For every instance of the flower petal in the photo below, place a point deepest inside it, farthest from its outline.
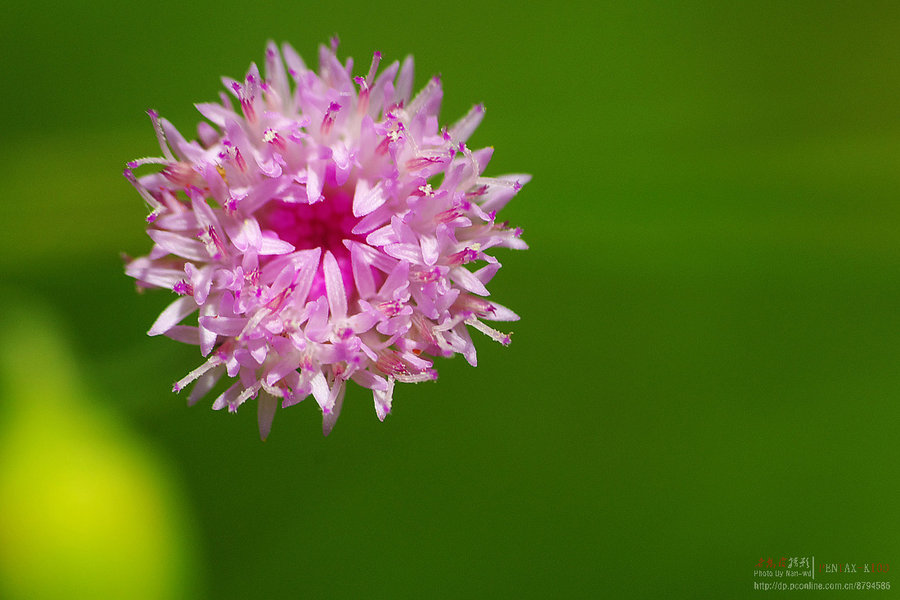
(179, 245)
(315, 178)
(366, 198)
(265, 412)
(330, 418)
(172, 315)
(463, 129)
(334, 287)
(383, 399)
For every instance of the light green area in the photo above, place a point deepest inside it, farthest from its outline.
(706, 369)
(86, 509)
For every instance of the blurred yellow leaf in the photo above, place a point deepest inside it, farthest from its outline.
(86, 510)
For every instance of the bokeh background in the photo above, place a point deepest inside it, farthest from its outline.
(705, 374)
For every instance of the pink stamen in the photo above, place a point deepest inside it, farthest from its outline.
(328, 119)
(183, 288)
(462, 257)
(390, 309)
(426, 276)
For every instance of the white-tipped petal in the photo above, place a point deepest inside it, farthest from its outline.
(383, 399)
(172, 315)
(330, 418)
(265, 413)
(334, 287)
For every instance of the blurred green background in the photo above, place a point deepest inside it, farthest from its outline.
(706, 369)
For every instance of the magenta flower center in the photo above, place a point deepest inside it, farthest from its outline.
(325, 224)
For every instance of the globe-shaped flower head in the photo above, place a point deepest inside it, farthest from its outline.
(325, 229)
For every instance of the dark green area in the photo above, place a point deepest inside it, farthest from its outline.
(706, 369)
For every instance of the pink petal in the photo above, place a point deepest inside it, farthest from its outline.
(295, 64)
(227, 397)
(466, 280)
(307, 263)
(464, 128)
(179, 245)
(366, 199)
(334, 287)
(362, 273)
(383, 400)
(205, 384)
(185, 334)
(329, 418)
(320, 389)
(272, 244)
(224, 325)
(315, 179)
(172, 315)
(249, 236)
(216, 113)
(265, 411)
(430, 252)
(404, 82)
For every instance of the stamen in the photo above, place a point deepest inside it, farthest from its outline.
(328, 119)
(427, 375)
(464, 256)
(161, 135)
(244, 396)
(193, 375)
(239, 159)
(183, 288)
(426, 276)
(155, 206)
(373, 68)
(147, 160)
(446, 216)
(213, 243)
(390, 309)
(492, 333)
(420, 162)
(221, 171)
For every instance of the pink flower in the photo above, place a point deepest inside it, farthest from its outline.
(325, 231)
